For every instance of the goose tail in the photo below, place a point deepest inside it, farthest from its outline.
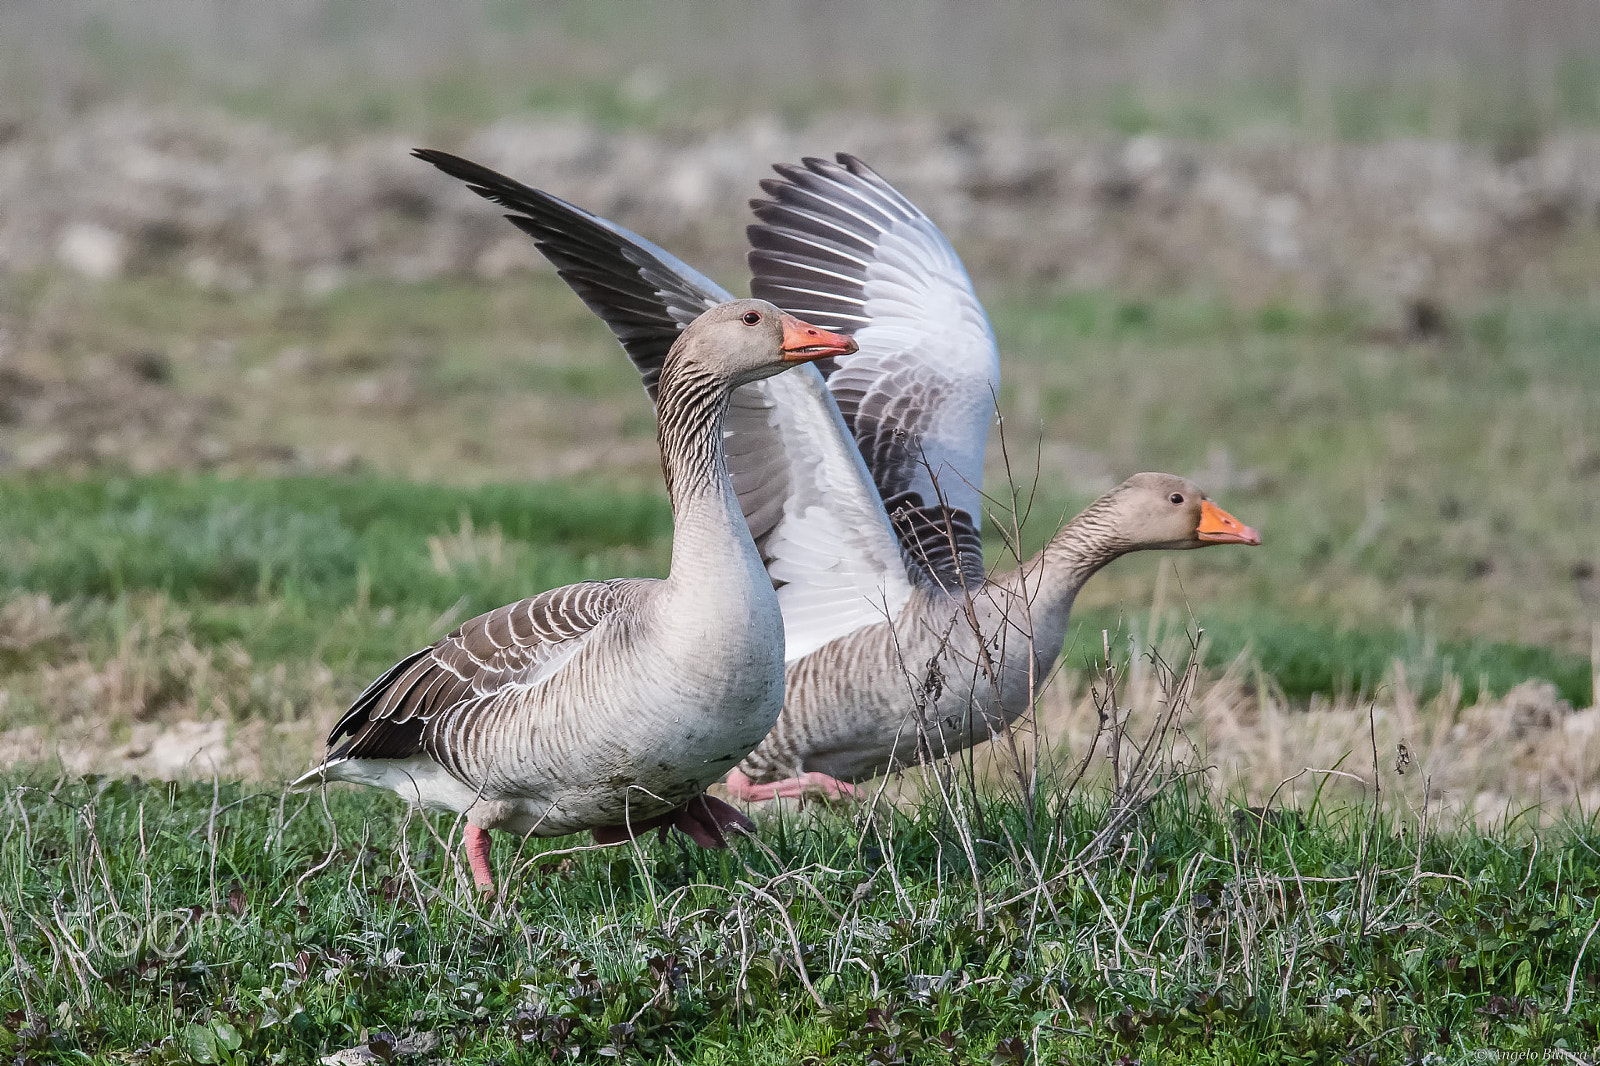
(321, 774)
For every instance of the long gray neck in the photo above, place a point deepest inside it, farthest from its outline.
(709, 531)
(1048, 583)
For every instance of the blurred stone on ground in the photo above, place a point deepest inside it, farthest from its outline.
(1406, 226)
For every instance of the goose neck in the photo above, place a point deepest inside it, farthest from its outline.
(1051, 579)
(708, 526)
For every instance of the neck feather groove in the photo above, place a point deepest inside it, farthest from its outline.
(1050, 580)
(689, 412)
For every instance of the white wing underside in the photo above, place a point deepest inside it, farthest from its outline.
(830, 551)
(928, 341)
(839, 246)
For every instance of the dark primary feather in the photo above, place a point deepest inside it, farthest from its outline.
(940, 538)
(486, 655)
(819, 234)
(644, 293)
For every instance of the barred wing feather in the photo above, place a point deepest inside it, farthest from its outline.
(839, 246)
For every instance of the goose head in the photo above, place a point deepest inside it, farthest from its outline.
(746, 340)
(1168, 512)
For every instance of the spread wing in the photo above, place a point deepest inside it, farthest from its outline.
(805, 492)
(515, 647)
(644, 293)
(839, 246)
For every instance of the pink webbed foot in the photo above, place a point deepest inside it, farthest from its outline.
(704, 820)
(740, 787)
(477, 840)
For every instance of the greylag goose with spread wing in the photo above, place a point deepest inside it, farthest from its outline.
(897, 646)
(607, 706)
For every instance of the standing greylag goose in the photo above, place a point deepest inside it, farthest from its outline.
(867, 590)
(607, 705)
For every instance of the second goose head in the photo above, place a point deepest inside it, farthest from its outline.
(746, 340)
(1163, 511)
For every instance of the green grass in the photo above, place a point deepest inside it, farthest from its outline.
(276, 565)
(1445, 486)
(1304, 659)
(232, 927)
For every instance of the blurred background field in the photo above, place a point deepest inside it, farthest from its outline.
(277, 402)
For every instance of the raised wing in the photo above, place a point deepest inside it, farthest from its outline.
(644, 293)
(839, 246)
(805, 492)
(816, 519)
(515, 647)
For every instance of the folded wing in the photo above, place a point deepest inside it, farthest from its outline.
(433, 694)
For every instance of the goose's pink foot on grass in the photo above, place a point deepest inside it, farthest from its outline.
(478, 858)
(740, 787)
(705, 820)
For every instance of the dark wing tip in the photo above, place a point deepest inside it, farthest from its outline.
(854, 164)
(454, 165)
(487, 183)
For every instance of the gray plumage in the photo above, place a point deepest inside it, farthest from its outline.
(605, 703)
(864, 496)
(840, 246)
(955, 666)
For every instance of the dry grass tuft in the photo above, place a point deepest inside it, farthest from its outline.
(31, 627)
(1527, 755)
(153, 700)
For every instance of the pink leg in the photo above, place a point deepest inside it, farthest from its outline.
(740, 787)
(478, 858)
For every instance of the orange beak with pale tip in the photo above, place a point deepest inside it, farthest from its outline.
(803, 342)
(1219, 527)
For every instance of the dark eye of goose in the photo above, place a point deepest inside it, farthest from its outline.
(1176, 497)
(752, 317)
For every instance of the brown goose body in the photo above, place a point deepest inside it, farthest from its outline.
(861, 480)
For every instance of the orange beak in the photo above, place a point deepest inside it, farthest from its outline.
(803, 342)
(1219, 527)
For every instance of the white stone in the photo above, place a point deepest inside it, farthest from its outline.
(92, 250)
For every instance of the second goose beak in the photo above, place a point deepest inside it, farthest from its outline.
(803, 342)
(1219, 527)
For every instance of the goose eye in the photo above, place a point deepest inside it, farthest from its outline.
(752, 317)
(1176, 497)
